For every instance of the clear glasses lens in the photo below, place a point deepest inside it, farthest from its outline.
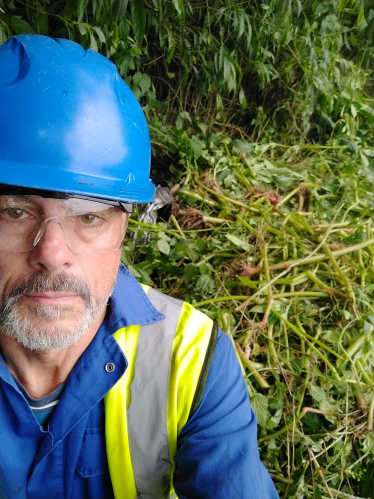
(88, 226)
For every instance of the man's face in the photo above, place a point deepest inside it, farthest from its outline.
(50, 296)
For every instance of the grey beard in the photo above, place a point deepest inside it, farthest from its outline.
(45, 336)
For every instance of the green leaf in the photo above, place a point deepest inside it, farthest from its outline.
(100, 34)
(179, 7)
(206, 269)
(312, 421)
(138, 17)
(357, 237)
(277, 393)
(200, 245)
(93, 45)
(120, 10)
(163, 246)
(143, 81)
(81, 9)
(247, 282)
(260, 309)
(259, 403)
(20, 26)
(238, 242)
(204, 283)
(41, 23)
(352, 146)
(190, 272)
(317, 393)
(82, 28)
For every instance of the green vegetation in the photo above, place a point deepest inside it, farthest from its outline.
(264, 107)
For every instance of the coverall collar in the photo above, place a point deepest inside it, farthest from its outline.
(129, 304)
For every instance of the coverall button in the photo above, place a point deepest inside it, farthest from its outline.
(109, 367)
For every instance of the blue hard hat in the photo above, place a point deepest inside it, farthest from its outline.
(69, 123)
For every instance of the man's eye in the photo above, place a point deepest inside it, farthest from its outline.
(14, 213)
(89, 219)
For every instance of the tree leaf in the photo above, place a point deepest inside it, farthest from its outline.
(100, 34)
(120, 10)
(138, 17)
(20, 26)
(41, 24)
(81, 9)
(82, 28)
(178, 4)
(93, 45)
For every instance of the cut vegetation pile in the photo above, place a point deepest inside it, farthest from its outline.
(277, 245)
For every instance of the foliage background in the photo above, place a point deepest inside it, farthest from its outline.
(265, 108)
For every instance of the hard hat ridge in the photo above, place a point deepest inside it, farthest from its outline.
(68, 122)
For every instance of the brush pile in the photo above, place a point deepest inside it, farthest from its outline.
(277, 245)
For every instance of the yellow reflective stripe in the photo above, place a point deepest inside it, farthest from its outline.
(117, 401)
(187, 359)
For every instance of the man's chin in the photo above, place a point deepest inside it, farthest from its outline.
(48, 328)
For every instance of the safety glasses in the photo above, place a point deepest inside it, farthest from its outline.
(89, 225)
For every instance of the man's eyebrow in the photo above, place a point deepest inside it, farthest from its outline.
(27, 197)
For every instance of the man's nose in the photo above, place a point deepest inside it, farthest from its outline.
(51, 251)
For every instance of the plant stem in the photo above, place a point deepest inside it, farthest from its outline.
(293, 422)
(287, 294)
(341, 274)
(371, 414)
(174, 220)
(261, 381)
(306, 336)
(314, 258)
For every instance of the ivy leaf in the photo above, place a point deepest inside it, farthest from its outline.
(138, 17)
(163, 246)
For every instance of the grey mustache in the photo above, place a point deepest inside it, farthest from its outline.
(42, 283)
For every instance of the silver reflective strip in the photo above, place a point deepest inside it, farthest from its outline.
(146, 416)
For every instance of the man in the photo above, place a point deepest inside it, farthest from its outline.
(108, 389)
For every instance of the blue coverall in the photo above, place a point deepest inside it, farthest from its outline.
(217, 453)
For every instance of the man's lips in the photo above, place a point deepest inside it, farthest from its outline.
(51, 297)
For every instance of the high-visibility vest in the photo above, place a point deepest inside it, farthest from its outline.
(168, 363)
